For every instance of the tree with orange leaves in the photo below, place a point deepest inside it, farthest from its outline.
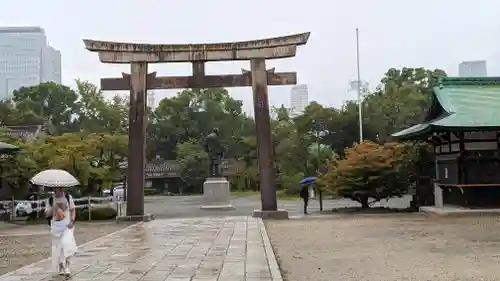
(371, 171)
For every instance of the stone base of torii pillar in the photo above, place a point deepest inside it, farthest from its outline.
(134, 218)
(279, 214)
(216, 194)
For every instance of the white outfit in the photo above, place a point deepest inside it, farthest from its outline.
(63, 239)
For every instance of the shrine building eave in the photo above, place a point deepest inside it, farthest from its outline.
(270, 48)
(425, 130)
(460, 104)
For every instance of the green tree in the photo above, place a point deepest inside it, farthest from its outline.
(47, 101)
(193, 114)
(17, 168)
(193, 161)
(92, 158)
(98, 115)
(401, 100)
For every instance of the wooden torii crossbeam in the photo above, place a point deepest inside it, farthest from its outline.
(205, 81)
(139, 81)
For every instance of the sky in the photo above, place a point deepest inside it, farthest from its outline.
(424, 33)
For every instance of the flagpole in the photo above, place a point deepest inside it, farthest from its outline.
(360, 111)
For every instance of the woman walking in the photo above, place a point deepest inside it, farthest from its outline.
(60, 211)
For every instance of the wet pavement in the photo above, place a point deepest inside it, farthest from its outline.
(189, 206)
(197, 249)
(23, 245)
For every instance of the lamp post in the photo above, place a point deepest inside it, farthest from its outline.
(319, 127)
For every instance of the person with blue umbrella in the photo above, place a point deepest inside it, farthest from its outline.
(304, 192)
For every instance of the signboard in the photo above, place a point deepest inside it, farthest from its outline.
(163, 169)
(172, 169)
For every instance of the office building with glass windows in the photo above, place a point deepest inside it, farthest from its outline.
(26, 59)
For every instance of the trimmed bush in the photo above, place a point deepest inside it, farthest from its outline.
(150, 191)
(98, 214)
(291, 185)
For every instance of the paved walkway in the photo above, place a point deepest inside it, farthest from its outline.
(197, 249)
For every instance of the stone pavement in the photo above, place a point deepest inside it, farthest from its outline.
(196, 249)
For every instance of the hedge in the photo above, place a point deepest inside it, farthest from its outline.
(98, 214)
(150, 191)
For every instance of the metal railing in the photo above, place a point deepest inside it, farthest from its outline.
(14, 208)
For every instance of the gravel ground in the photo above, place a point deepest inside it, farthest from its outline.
(387, 247)
(23, 245)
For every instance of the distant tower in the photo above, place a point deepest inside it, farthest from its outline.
(475, 68)
(363, 86)
(151, 100)
(299, 99)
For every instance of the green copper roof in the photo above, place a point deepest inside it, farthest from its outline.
(467, 103)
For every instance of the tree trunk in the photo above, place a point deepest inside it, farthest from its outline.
(364, 202)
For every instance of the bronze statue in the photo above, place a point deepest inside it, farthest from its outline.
(215, 151)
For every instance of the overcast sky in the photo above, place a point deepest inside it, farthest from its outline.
(427, 33)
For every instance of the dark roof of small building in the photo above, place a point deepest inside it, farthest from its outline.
(460, 104)
(5, 147)
(29, 133)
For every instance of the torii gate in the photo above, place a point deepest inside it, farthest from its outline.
(139, 81)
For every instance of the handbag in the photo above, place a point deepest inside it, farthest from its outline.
(69, 244)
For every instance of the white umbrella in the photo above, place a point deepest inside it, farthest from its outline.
(54, 178)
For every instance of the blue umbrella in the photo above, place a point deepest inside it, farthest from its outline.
(308, 180)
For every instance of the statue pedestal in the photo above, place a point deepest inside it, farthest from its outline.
(216, 194)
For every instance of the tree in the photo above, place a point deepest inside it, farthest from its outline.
(372, 171)
(401, 100)
(91, 158)
(6, 112)
(98, 115)
(109, 153)
(193, 161)
(73, 152)
(89, 138)
(17, 168)
(47, 101)
(193, 114)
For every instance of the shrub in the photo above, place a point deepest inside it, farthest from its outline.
(291, 184)
(150, 191)
(372, 171)
(98, 214)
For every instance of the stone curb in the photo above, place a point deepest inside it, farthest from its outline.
(271, 258)
(86, 244)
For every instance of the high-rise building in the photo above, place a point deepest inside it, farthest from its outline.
(151, 100)
(51, 65)
(475, 68)
(26, 59)
(299, 99)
